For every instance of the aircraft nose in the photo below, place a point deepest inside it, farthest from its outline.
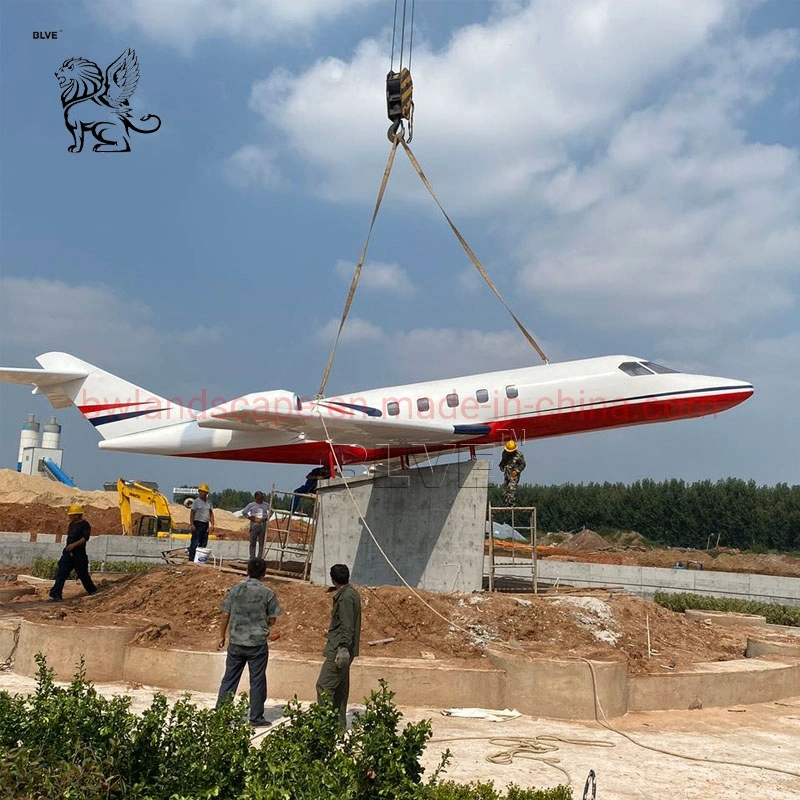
(747, 389)
(728, 392)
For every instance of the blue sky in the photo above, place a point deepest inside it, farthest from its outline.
(627, 171)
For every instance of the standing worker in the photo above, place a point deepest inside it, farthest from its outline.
(250, 609)
(74, 554)
(512, 462)
(342, 645)
(258, 514)
(201, 520)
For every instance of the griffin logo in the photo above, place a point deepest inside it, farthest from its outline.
(100, 105)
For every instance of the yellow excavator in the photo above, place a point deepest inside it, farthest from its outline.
(159, 523)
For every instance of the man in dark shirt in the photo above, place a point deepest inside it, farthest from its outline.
(249, 608)
(310, 486)
(74, 554)
(342, 646)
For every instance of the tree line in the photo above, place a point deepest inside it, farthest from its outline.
(730, 512)
(673, 513)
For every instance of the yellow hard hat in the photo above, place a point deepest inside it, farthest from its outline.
(511, 446)
(203, 487)
(75, 509)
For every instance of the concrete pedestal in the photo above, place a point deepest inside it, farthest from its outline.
(429, 521)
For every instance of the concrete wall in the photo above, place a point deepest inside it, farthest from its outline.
(429, 521)
(646, 581)
(557, 689)
(563, 689)
(715, 685)
(16, 549)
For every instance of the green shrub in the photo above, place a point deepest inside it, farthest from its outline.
(71, 742)
(774, 613)
(48, 567)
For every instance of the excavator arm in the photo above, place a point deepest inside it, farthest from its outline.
(148, 525)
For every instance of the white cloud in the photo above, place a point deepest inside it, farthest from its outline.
(355, 330)
(93, 322)
(499, 107)
(185, 22)
(428, 353)
(605, 144)
(377, 275)
(679, 222)
(252, 167)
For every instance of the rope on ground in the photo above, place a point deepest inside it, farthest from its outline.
(357, 272)
(532, 748)
(700, 759)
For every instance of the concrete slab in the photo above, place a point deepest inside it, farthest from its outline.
(716, 684)
(557, 688)
(766, 647)
(9, 636)
(102, 648)
(728, 619)
(423, 681)
(563, 689)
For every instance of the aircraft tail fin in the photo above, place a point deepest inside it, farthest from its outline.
(113, 405)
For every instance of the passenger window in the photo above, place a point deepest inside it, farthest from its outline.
(452, 400)
(512, 392)
(423, 404)
(393, 409)
(634, 368)
(482, 395)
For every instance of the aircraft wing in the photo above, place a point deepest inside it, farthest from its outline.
(44, 381)
(321, 425)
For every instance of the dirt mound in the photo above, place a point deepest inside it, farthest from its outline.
(179, 607)
(587, 539)
(36, 504)
(38, 518)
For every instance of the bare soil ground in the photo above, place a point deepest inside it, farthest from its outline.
(178, 607)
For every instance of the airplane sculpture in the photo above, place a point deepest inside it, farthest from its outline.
(380, 425)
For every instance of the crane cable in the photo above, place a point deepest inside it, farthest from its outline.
(400, 108)
(468, 250)
(357, 272)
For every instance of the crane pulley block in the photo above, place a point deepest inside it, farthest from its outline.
(399, 100)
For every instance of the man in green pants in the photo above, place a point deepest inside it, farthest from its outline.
(342, 646)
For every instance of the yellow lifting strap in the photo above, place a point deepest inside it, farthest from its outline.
(397, 139)
(468, 251)
(357, 273)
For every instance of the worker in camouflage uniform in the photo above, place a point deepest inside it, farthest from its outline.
(342, 645)
(512, 463)
(249, 609)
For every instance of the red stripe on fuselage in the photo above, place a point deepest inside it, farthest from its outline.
(108, 406)
(574, 420)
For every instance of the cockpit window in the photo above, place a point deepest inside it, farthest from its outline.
(659, 368)
(634, 368)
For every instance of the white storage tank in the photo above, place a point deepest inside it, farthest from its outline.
(28, 437)
(51, 435)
